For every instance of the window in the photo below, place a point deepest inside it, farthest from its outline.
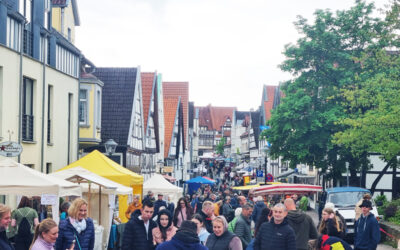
(27, 112)
(25, 8)
(49, 168)
(83, 107)
(66, 61)
(98, 109)
(46, 20)
(13, 34)
(49, 112)
(69, 34)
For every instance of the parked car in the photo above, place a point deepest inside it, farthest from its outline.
(345, 199)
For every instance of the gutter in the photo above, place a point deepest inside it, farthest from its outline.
(21, 49)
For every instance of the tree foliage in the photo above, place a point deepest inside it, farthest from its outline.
(329, 63)
(220, 146)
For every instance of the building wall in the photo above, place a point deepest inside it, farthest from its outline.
(56, 153)
(69, 22)
(90, 133)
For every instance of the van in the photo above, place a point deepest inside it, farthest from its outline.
(345, 200)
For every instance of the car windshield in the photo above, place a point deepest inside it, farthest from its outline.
(345, 199)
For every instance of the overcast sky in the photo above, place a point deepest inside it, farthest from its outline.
(226, 49)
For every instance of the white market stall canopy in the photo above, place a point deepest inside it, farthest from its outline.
(83, 176)
(159, 185)
(286, 188)
(18, 179)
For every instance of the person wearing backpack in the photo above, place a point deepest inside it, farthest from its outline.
(24, 219)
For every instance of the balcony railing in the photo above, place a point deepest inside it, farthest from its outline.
(28, 42)
(48, 131)
(27, 127)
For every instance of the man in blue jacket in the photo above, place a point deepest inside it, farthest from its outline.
(138, 231)
(276, 234)
(366, 229)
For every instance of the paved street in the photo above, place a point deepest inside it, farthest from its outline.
(314, 216)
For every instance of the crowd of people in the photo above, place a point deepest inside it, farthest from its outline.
(208, 219)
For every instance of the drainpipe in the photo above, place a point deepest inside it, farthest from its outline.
(21, 49)
(43, 102)
(62, 21)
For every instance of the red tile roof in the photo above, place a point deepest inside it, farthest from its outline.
(269, 101)
(174, 90)
(170, 109)
(147, 88)
(214, 117)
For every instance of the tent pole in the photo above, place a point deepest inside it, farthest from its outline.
(99, 205)
(89, 200)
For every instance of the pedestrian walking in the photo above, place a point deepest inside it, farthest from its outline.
(357, 208)
(138, 231)
(201, 230)
(158, 204)
(5, 220)
(276, 234)
(330, 224)
(243, 225)
(258, 207)
(366, 229)
(184, 239)
(342, 224)
(183, 212)
(24, 219)
(134, 205)
(165, 229)
(46, 234)
(221, 238)
(266, 214)
(170, 205)
(303, 204)
(78, 228)
(302, 225)
(227, 209)
(208, 214)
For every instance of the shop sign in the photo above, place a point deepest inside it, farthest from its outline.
(168, 169)
(10, 149)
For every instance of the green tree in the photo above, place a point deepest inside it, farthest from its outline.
(220, 147)
(322, 63)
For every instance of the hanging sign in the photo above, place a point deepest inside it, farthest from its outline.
(10, 149)
(48, 199)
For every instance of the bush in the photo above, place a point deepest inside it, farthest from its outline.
(396, 218)
(390, 211)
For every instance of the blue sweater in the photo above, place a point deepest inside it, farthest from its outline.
(67, 233)
(366, 232)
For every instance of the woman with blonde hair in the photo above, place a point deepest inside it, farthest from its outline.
(46, 234)
(221, 238)
(78, 228)
(330, 224)
(5, 219)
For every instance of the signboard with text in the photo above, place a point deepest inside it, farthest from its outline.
(10, 149)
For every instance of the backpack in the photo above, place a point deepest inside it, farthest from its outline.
(24, 227)
(232, 225)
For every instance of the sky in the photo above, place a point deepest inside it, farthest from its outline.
(226, 49)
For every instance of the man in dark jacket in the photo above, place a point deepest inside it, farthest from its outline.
(366, 229)
(138, 231)
(227, 209)
(302, 225)
(207, 212)
(276, 234)
(258, 207)
(159, 203)
(243, 225)
(185, 238)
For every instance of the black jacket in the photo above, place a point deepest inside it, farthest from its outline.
(273, 236)
(182, 240)
(303, 227)
(4, 243)
(207, 222)
(157, 205)
(67, 233)
(331, 229)
(135, 236)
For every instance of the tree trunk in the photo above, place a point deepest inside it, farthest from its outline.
(384, 170)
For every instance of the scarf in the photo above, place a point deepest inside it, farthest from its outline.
(78, 225)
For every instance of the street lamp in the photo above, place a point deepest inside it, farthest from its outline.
(110, 146)
(266, 150)
(347, 173)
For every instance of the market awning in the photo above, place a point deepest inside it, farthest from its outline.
(169, 178)
(286, 188)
